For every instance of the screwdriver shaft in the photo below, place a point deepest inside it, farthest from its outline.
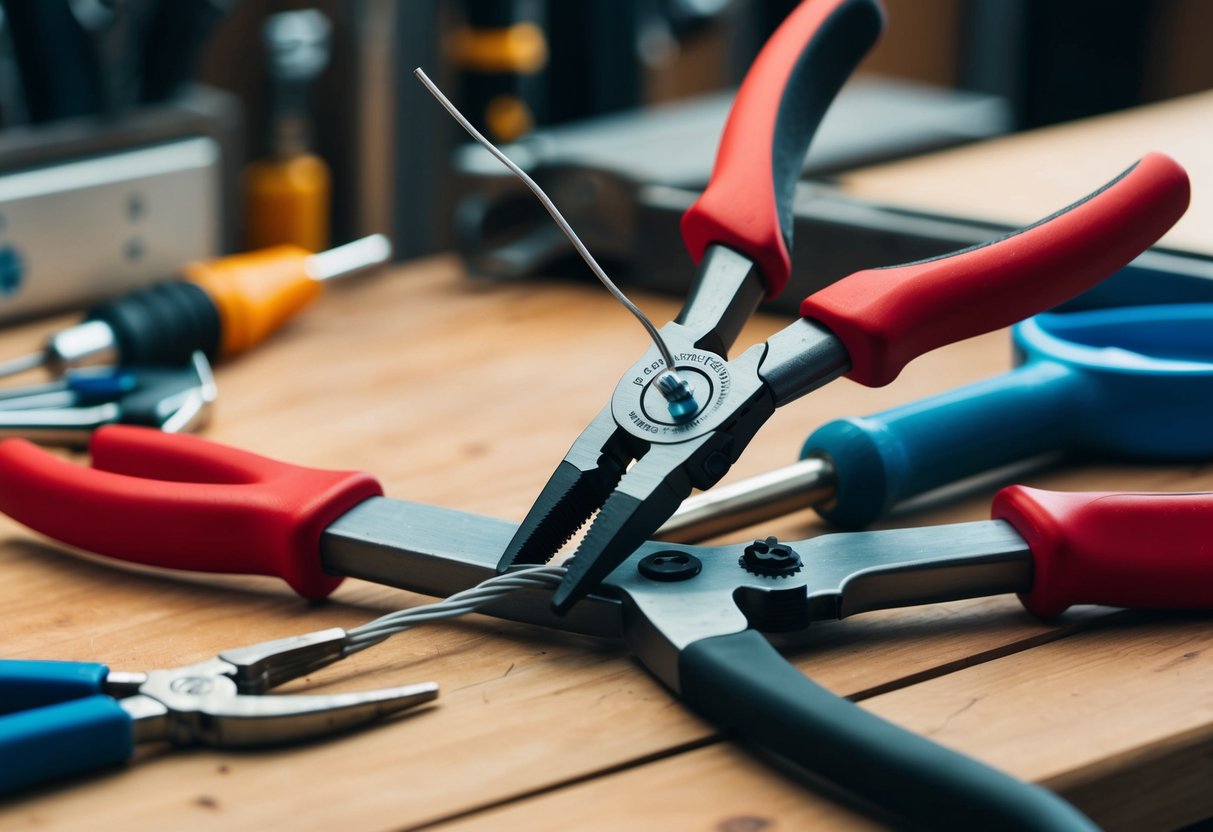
(809, 482)
(355, 256)
(14, 366)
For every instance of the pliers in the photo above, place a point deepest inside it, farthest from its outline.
(694, 615)
(634, 464)
(62, 718)
(66, 411)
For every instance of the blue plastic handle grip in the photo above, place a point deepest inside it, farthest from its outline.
(1132, 382)
(56, 721)
(881, 460)
(31, 684)
(63, 739)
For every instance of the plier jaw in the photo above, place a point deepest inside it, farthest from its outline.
(61, 718)
(634, 463)
(219, 702)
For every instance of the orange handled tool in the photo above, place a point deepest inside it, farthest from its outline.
(220, 307)
(287, 193)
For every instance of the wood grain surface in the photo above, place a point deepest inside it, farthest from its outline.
(466, 395)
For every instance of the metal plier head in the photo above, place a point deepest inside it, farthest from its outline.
(635, 464)
(62, 718)
(218, 702)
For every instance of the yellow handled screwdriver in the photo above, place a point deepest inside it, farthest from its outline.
(220, 307)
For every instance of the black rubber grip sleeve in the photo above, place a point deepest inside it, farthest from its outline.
(826, 62)
(742, 684)
(162, 324)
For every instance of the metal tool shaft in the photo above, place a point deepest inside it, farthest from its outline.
(363, 253)
(89, 342)
(21, 364)
(809, 482)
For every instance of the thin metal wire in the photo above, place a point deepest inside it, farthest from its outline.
(461, 603)
(682, 390)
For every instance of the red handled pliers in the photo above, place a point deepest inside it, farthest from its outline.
(635, 464)
(692, 614)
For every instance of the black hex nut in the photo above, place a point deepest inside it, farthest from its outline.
(671, 565)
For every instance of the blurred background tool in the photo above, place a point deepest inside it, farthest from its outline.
(1129, 383)
(60, 77)
(66, 411)
(220, 307)
(116, 30)
(114, 170)
(625, 179)
(499, 52)
(90, 211)
(550, 66)
(177, 34)
(105, 57)
(846, 232)
(287, 192)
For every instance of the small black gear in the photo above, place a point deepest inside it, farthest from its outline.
(770, 557)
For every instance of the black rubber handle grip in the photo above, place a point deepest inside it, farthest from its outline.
(163, 324)
(742, 684)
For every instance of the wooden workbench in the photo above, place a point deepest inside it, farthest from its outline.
(466, 395)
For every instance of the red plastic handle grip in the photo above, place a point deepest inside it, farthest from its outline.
(1150, 551)
(184, 503)
(886, 317)
(748, 202)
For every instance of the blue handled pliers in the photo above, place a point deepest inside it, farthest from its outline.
(62, 718)
(66, 411)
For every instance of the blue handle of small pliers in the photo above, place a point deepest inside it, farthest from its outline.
(884, 459)
(25, 685)
(57, 722)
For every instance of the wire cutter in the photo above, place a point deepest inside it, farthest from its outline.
(62, 718)
(635, 463)
(694, 615)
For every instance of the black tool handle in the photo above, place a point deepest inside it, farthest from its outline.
(741, 683)
(59, 75)
(162, 324)
(178, 32)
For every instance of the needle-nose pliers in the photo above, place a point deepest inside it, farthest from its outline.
(634, 464)
(62, 718)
